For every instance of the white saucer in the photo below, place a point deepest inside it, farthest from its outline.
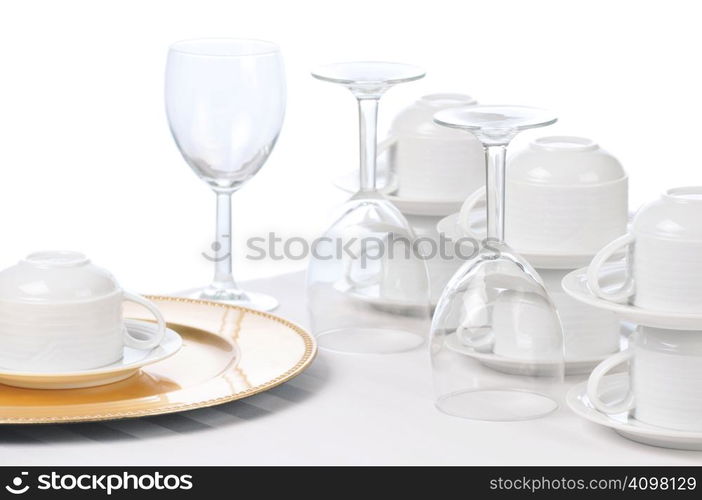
(611, 276)
(527, 367)
(613, 388)
(540, 260)
(131, 361)
(408, 206)
(398, 306)
(434, 208)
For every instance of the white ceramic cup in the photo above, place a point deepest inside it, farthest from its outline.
(589, 332)
(665, 379)
(664, 265)
(442, 258)
(523, 327)
(565, 195)
(430, 162)
(385, 268)
(59, 313)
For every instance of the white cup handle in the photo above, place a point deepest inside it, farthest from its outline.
(349, 271)
(147, 338)
(484, 343)
(593, 384)
(464, 215)
(362, 283)
(384, 145)
(593, 271)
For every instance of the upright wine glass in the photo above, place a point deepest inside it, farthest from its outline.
(368, 289)
(225, 101)
(496, 339)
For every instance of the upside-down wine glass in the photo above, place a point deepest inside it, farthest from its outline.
(367, 288)
(225, 101)
(496, 339)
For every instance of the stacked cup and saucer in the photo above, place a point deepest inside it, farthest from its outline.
(566, 198)
(658, 286)
(61, 325)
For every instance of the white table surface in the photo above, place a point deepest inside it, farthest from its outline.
(342, 410)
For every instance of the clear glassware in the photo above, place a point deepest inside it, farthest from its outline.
(496, 340)
(367, 289)
(225, 101)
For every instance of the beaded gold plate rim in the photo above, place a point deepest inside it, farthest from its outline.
(310, 352)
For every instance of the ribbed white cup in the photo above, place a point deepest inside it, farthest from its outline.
(665, 245)
(589, 332)
(666, 379)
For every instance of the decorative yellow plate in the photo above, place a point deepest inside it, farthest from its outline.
(228, 353)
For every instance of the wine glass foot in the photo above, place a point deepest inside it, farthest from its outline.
(252, 300)
(354, 340)
(496, 404)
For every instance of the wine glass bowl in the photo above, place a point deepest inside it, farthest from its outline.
(496, 331)
(225, 103)
(225, 120)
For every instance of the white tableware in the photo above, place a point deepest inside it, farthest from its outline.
(573, 366)
(401, 306)
(665, 241)
(411, 206)
(566, 196)
(522, 326)
(442, 260)
(612, 389)
(383, 271)
(59, 312)
(127, 365)
(611, 277)
(450, 227)
(666, 379)
(514, 324)
(590, 333)
(430, 162)
(389, 270)
(407, 205)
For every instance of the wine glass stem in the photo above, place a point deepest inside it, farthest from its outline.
(495, 164)
(223, 278)
(368, 120)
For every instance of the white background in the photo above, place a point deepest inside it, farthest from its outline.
(88, 162)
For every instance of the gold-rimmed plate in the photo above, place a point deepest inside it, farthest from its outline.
(228, 353)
